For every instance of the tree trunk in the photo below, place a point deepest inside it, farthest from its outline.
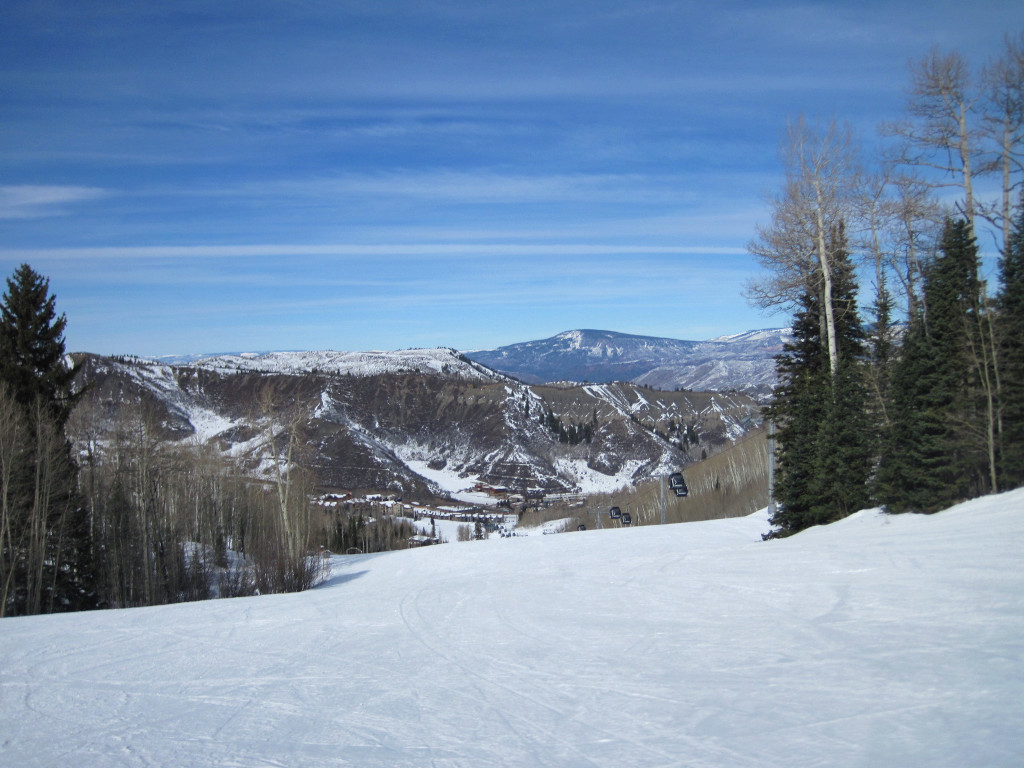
(825, 263)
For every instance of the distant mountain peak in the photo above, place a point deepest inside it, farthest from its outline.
(743, 361)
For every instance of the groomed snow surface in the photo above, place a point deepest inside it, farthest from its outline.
(877, 641)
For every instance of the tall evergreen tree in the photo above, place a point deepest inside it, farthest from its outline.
(32, 344)
(1010, 327)
(929, 460)
(824, 455)
(844, 448)
(798, 410)
(881, 353)
(44, 536)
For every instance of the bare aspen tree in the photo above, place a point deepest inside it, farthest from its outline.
(84, 427)
(1003, 127)
(282, 465)
(295, 569)
(55, 506)
(821, 176)
(785, 252)
(140, 442)
(39, 509)
(914, 231)
(874, 209)
(982, 354)
(37, 498)
(941, 135)
(899, 221)
(875, 212)
(12, 441)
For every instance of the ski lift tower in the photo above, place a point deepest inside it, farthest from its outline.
(662, 499)
(771, 469)
(597, 513)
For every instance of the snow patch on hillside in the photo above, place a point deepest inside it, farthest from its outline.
(451, 483)
(208, 424)
(589, 481)
(612, 395)
(445, 480)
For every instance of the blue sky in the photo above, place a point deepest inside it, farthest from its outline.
(212, 176)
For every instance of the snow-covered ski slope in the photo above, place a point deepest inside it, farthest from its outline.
(877, 641)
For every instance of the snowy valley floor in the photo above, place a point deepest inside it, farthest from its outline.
(877, 641)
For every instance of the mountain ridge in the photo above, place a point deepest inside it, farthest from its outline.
(366, 420)
(743, 362)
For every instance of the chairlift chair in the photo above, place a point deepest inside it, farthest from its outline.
(614, 513)
(627, 519)
(678, 484)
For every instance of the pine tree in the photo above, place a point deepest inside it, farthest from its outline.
(798, 410)
(844, 456)
(45, 549)
(32, 344)
(1010, 328)
(929, 460)
(881, 356)
(824, 456)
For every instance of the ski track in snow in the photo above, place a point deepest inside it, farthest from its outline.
(876, 641)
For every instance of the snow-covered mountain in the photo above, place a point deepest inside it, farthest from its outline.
(417, 420)
(743, 362)
(876, 641)
(403, 361)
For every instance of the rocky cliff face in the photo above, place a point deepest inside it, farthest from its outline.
(416, 421)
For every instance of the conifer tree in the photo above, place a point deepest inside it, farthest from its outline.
(1010, 326)
(32, 344)
(44, 538)
(820, 409)
(929, 460)
(798, 411)
(844, 449)
(881, 355)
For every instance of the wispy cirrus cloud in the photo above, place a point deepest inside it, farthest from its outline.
(450, 186)
(33, 201)
(357, 250)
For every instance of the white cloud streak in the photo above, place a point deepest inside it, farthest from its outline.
(355, 250)
(30, 201)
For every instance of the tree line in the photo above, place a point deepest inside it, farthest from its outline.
(104, 505)
(914, 400)
(132, 518)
